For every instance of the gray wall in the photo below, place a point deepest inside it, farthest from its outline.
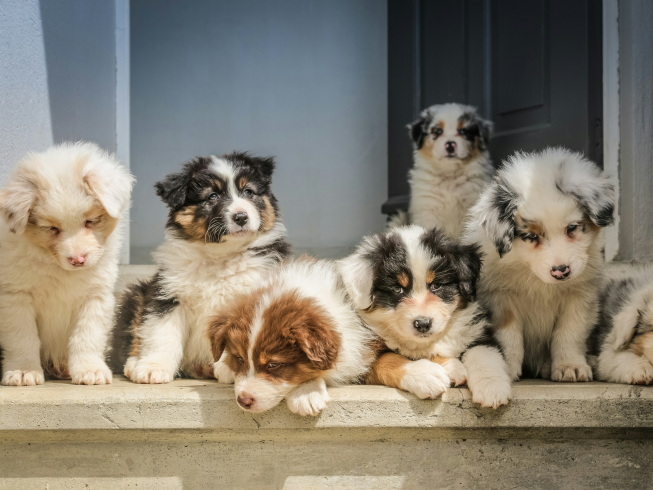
(304, 80)
(636, 107)
(57, 75)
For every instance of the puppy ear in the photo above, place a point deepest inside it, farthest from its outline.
(591, 188)
(357, 271)
(417, 132)
(318, 340)
(469, 260)
(485, 129)
(109, 181)
(265, 165)
(173, 189)
(217, 332)
(17, 199)
(496, 210)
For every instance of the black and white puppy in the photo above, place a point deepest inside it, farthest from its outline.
(622, 340)
(416, 289)
(223, 234)
(451, 167)
(539, 224)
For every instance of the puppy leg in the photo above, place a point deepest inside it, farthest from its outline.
(20, 342)
(642, 345)
(569, 340)
(488, 377)
(222, 372)
(309, 398)
(88, 342)
(198, 360)
(454, 368)
(423, 378)
(511, 338)
(624, 366)
(162, 341)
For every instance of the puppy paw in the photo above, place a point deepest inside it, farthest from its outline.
(150, 373)
(98, 374)
(425, 379)
(456, 372)
(640, 375)
(514, 370)
(491, 393)
(308, 399)
(571, 373)
(200, 371)
(223, 373)
(23, 378)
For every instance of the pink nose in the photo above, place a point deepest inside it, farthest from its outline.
(560, 272)
(77, 260)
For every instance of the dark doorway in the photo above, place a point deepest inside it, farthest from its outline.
(533, 67)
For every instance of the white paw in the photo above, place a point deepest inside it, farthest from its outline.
(97, 374)
(223, 373)
(514, 370)
(308, 399)
(425, 379)
(129, 366)
(640, 375)
(570, 373)
(490, 393)
(150, 373)
(23, 378)
(456, 372)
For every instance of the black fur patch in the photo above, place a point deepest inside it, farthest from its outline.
(505, 201)
(280, 248)
(611, 300)
(417, 131)
(389, 261)
(475, 129)
(603, 217)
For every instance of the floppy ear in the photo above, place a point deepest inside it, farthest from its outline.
(318, 340)
(217, 332)
(357, 271)
(173, 189)
(591, 188)
(417, 132)
(265, 165)
(469, 261)
(110, 182)
(485, 128)
(17, 199)
(496, 210)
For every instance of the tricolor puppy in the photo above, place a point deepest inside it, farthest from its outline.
(223, 234)
(539, 224)
(451, 167)
(416, 290)
(622, 340)
(59, 245)
(291, 338)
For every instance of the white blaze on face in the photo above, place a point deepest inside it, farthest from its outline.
(446, 118)
(238, 204)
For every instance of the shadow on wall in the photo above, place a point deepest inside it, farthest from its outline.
(79, 41)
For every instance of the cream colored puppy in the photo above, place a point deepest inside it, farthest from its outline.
(59, 263)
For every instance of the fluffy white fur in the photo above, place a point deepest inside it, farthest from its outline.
(59, 263)
(541, 211)
(444, 186)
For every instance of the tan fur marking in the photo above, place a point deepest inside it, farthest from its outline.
(430, 275)
(387, 370)
(506, 319)
(268, 216)
(186, 218)
(642, 345)
(402, 279)
(242, 182)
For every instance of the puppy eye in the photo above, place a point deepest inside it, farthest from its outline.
(398, 290)
(571, 228)
(462, 132)
(89, 223)
(434, 287)
(248, 192)
(437, 132)
(55, 230)
(273, 365)
(241, 360)
(213, 197)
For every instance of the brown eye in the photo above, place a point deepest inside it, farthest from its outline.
(55, 230)
(273, 365)
(241, 360)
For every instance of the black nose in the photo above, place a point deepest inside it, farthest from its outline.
(245, 401)
(422, 324)
(450, 146)
(240, 218)
(560, 272)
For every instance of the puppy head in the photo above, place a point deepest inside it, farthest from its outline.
(546, 209)
(67, 200)
(274, 341)
(452, 132)
(408, 282)
(216, 199)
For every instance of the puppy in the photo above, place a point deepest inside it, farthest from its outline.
(59, 263)
(539, 224)
(223, 233)
(416, 290)
(291, 338)
(622, 339)
(451, 167)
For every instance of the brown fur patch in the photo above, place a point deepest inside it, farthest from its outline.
(642, 345)
(430, 275)
(440, 360)
(506, 319)
(217, 184)
(268, 216)
(185, 217)
(535, 228)
(242, 182)
(387, 370)
(402, 279)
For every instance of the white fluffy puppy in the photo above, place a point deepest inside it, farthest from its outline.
(59, 263)
(539, 224)
(452, 166)
(622, 339)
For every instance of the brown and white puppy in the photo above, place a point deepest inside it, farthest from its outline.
(59, 263)
(416, 290)
(223, 234)
(451, 167)
(292, 338)
(539, 224)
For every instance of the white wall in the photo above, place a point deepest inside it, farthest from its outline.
(304, 80)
